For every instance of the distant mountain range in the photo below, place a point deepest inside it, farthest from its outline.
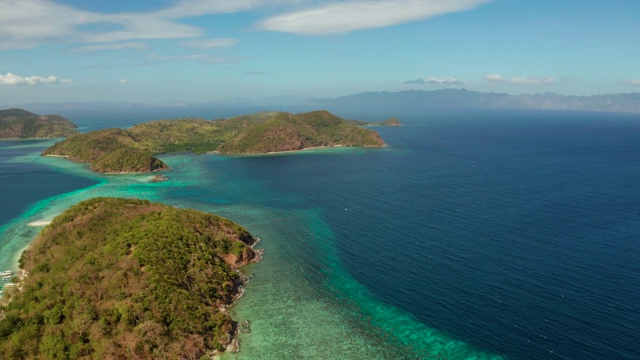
(417, 99)
(462, 98)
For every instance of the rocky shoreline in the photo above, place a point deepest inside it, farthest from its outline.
(131, 256)
(233, 345)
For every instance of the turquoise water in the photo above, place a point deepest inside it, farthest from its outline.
(301, 303)
(474, 235)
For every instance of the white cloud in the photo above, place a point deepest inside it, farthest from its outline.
(632, 82)
(494, 78)
(342, 17)
(531, 81)
(537, 81)
(444, 81)
(13, 79)
(123, 81)
(28, 23)
(191, 8)
(24, 23)
(209, 43)
(112, 46)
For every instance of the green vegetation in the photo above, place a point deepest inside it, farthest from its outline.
(126, 279)
(286, 132)
(391, 122)
(388, 122)
(128, 160)
(132, 150)
(22, 124)
(108, 151)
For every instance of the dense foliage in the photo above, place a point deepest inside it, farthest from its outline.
(22, 124)
(126, 279)
(286, 132)
(248, 134)
(388, 122)
(108, 151)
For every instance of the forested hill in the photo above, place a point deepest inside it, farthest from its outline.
(126, 279)
(132, 150)
(22, 124)
(108, 151)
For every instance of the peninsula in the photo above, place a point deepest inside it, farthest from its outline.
(118, 278)
(134, 149)
(22, 124)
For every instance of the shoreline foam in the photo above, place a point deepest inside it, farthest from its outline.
(39, 223)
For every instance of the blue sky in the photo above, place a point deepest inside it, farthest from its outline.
(215, 50)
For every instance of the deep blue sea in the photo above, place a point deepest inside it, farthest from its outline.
(513, 233)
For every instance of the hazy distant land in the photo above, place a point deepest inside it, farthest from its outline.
(22, 124)
(462, 98)
(414, 99)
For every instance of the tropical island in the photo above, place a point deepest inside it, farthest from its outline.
(126, 278)
(391, 122)
(22, 124)
(134, 149)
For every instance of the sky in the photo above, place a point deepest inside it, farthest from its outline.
(223, 50)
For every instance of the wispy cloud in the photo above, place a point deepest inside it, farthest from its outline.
(112, 46)
(13, 79)
(443, 81)
(28, 23)
(209, 43)
(530, 81)
(192, 8)
(536, 81)
(494, 78)
(631, 82)
(346, 16)
(435, 81)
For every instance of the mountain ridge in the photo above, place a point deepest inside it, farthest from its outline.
(463, 98)
(442, 98)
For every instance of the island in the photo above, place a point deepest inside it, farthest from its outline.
(391, 122)
(134, 149)
(109, 151)
(115, 278)
(22, 124)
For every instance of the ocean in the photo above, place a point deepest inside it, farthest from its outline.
(475, 234)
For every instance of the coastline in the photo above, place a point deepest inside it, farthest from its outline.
(39, 223)
(292, 309)
(234, 343)
(31, 139)
(311, 148)
(322, 147)
(14, 288)
(57, 156)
